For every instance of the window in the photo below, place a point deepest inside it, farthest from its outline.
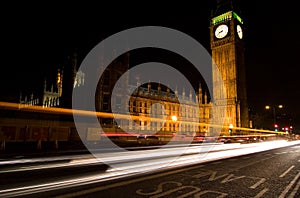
(134, 106)
(105, 103)
(106, 78)
(146, 110)
(118, 103)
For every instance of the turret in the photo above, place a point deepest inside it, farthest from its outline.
(168, 91)
(149, 88)
(159, 89)
(200, 94)
(59, 82)
(205, 98)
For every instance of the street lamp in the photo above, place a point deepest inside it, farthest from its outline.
(174, 119)
(230, 129)
(274, 113)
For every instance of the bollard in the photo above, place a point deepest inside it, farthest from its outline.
(39, 144)
(55, 144)
(2, 145)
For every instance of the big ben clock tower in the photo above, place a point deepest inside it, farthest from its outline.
(227, 45)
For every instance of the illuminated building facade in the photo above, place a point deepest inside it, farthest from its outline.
(50, 97)
(148, 101)
(181, 118)
(227, 46)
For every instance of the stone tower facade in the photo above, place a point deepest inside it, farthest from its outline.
(227, 46)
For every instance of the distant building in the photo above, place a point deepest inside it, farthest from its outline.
(57, 94)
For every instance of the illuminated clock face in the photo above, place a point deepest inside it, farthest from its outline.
(221, 31)
(239, 31)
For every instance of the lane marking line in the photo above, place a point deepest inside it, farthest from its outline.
(295, 190)
(286, 190)
(286, 172)
(262, 180)
(261, 193)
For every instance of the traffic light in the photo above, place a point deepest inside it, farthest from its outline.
(276, 127)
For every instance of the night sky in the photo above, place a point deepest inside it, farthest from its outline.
(36, 39)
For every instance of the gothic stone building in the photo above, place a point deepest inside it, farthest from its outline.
(227, 47)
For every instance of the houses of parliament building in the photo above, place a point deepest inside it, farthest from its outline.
(227, 51)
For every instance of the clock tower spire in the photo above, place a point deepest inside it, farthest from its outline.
(227, 46)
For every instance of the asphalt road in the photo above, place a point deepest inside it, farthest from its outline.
(270, 173)
(273, 173)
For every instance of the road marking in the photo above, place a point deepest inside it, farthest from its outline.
(295, 190)
(100, 188)
(221, 194)
(185, 191)
(179, 189)
(261, 193)
(286, 190)
(159, 188)
(262, 180)
(231, 177)
(288, 170)
(281, 153)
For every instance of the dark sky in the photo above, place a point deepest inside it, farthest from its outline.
(36, 39)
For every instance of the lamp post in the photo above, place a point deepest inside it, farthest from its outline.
(267, 107)
(174, 119)
(230, 129)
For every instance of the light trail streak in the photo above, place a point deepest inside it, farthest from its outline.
(145, 165)
(65, 111)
